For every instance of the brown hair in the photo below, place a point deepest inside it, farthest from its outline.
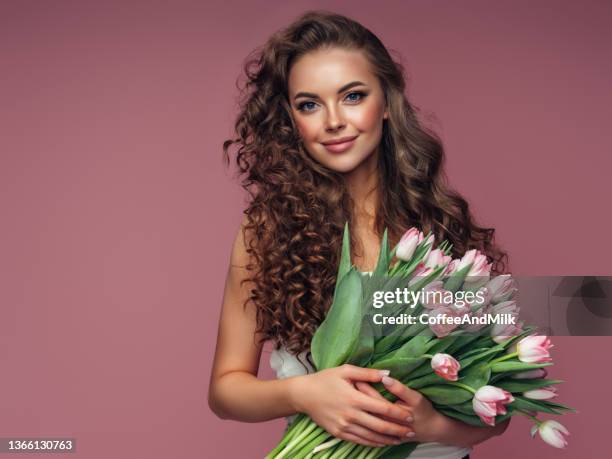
(297, 207)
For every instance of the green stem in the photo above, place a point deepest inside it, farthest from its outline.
(533, 418)
(345, 450)
(305, 448)
(374, 453)
(290, 433)
(463, 386)
(296, 440)
(505, 357)
(327, 444)
(365, 450)
(314, 438)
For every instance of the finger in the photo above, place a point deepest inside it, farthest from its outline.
(363, 374)
(411, 397)
(372, 436)
(361, 441)
(381, 426)
(384, 407)
(369, 390)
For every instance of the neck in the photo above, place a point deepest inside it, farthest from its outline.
(362, 183)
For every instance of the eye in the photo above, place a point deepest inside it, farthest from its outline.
(355, 96)
(306, 106)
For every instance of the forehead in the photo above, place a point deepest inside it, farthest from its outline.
(326, 70)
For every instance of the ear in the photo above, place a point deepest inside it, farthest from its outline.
(386, 115)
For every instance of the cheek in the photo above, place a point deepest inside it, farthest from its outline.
(308, 128)
(368, 120)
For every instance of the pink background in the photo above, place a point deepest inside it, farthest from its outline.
(118, 216)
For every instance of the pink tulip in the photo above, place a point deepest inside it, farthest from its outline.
(434, 294)
(445, 366)
(420, 272)
(544, 393)
(478, 260)
(489, 401)
(552, 433)
(437, 258)
(531, 374)
(501, 332)
(502, 288)
(442, 328)
(429, 240)
(534, 349)
(408, 244)
(505, 307)
(475, 326)
(451, 267)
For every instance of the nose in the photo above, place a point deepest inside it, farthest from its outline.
(335, 120)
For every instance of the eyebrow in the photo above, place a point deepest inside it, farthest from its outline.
(342, 89)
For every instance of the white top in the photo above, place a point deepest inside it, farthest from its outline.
(287, 365)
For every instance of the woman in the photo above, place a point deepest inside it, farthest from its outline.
(326, 135)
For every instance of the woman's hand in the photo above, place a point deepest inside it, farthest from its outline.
(429, 424)
(331, 399)
(426, 420)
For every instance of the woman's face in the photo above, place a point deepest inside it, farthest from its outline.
(335, 96)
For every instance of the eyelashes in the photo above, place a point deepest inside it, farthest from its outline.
(306, 106)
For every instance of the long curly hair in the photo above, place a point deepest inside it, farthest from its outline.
(297, 207)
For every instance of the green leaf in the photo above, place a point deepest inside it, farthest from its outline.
(361, 354)
(440, 345)
(382, 266)
(558, 406)
(482, 355)
(463, 341)
(426, 380)
(337, 335)
(446, 394)
(455, 280)
(517, 366)
(524, 403)
(415, 347)
(345, 257)
(476, 377)
(472, 420)
(465, 408)
(523, 385)
(399, 367)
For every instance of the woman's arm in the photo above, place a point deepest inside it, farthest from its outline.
(454, 432)
(235, 392)
(328, 396)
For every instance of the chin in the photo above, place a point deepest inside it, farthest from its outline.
(342, 163)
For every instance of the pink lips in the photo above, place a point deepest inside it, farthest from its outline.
(340, 145)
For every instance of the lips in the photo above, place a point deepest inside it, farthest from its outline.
(339, 145)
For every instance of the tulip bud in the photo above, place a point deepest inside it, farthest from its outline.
(437, 258)
(502, 288)
(445, 366)
(408, 244)
(531, 374)
(552, 433)
(534, 349)
(489, 401)
(544, 393)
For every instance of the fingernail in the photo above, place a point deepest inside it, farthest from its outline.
(409, 419)
(384, 372)
(387, 381)
(410, 434)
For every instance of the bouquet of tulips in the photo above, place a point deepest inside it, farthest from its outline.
(472, 371)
